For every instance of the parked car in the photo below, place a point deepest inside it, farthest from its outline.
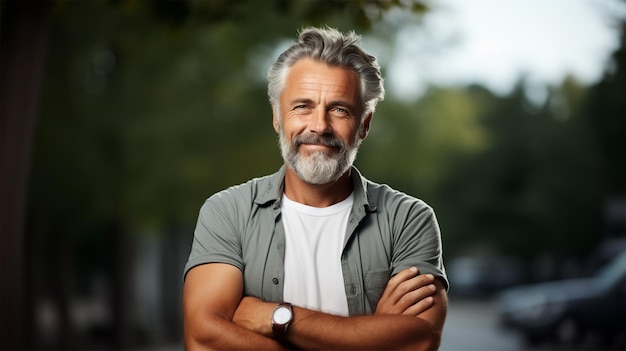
(477, 276)
(571, 312)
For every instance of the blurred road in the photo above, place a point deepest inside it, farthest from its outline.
(472, 325)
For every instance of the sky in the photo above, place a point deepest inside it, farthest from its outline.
(495, 42)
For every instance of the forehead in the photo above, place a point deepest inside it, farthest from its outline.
(311, 78)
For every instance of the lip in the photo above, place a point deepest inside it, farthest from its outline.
(316, 147)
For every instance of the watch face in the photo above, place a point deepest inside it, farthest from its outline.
(282, 315)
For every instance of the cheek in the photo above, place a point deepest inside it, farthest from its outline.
(293, 125)
(351, 133)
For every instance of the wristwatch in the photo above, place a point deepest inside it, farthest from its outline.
(282, 316)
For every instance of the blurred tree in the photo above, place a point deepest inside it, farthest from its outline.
(605, 114)
(154, 92)
(23, 41)
(544, 179)
(410, 142)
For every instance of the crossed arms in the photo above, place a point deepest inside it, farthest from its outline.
(409, 315)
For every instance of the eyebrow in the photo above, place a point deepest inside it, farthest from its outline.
(300, 101)
(342, 103)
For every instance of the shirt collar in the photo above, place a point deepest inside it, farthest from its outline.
(361, 195)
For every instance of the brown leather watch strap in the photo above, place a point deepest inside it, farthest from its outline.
(280, 327)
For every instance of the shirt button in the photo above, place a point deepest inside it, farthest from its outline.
(353, 290)
(275, 281)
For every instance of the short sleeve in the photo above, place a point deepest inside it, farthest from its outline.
(216, 238)
(419, 241)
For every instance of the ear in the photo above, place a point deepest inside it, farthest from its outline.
(275, 119)
(366, 125)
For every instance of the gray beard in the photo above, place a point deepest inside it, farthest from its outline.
(319, 167)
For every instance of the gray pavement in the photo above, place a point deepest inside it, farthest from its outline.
(472, 325)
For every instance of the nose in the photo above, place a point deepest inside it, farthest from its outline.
(319, 122)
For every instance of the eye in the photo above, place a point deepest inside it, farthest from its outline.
(340, 111)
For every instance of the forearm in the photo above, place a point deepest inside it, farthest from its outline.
(316, 330)
(217, 333)
(410, 315)
(208, 311)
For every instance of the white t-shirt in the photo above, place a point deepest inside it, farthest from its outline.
(313, 245)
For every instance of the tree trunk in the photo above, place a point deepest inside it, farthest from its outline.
(23, 45)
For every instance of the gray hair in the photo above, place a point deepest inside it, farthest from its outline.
(334, 48)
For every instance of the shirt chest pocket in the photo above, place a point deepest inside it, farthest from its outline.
(375, 283)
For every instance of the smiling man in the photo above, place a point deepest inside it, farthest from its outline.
(316, 256)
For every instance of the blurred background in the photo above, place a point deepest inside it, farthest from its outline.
(120, 117)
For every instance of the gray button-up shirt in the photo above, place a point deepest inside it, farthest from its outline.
(387, 232)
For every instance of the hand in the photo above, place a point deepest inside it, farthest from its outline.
(407, 293)
(255, 315)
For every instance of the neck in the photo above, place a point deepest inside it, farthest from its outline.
(317, 195)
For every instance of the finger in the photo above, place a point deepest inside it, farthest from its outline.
(410, 285)
(419, 307)
(403, 276)
(386, 303)
(416, 296)
(398, 279)
(404, 290)
(417, 282)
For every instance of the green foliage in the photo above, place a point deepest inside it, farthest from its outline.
(150, 107)
(540, 184)
(410, 144)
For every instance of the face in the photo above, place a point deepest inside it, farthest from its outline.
(319, 121)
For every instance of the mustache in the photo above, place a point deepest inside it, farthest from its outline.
(326, 140)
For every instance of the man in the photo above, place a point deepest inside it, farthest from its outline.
(316, 256)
